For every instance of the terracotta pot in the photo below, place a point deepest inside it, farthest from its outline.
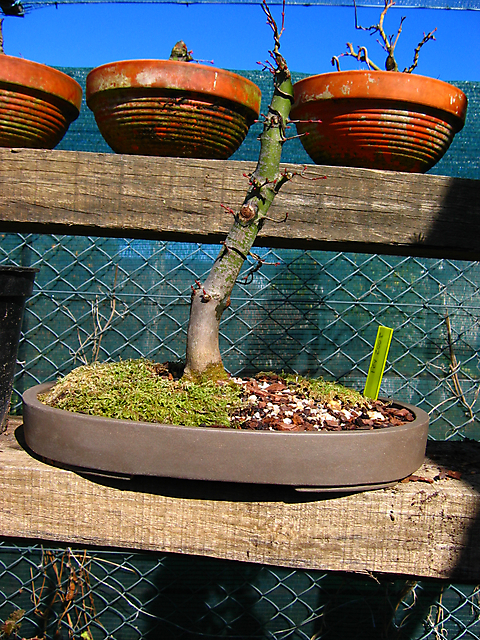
(321, 461)
(37, 103)
(169, 108)
(377, 119)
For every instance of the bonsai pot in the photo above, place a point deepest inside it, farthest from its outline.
(171, 108)
(314, 461)
(37, 103)
(16, 284)
(377, 119)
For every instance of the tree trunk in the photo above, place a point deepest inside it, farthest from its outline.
(210, 299)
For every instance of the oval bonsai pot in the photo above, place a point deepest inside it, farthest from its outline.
(16, 284)
(377, 119)
(37, 103)
(325, 461)
(171, 108)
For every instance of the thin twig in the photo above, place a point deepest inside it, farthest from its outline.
(387, 42)
(71, 591)
(424, 40)
(101, 325)
(454, 368)
(439, 628)
(361, 55)
(2, 51)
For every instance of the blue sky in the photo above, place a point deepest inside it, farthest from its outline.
(237, 36)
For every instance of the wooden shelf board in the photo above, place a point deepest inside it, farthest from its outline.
(416, 528)
(179, 199)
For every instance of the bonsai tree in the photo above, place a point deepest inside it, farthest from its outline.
(211, 298)
(387, 42)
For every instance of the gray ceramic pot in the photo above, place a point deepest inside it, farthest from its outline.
(321, 461)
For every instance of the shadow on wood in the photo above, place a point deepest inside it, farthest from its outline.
(360, 210)
(425, 528)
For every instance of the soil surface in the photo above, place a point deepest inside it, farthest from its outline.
(267, 402)
(270, 405)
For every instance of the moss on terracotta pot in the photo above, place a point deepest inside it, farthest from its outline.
(37, 103)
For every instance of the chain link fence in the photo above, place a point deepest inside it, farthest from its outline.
(86, 594)
(311, 312)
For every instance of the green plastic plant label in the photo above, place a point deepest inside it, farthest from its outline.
(378, 362)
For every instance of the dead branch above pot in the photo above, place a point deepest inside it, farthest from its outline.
(387, 42)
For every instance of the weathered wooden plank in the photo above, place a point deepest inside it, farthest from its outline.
(416, 528)
(179, 199)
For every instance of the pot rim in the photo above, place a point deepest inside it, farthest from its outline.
(13, 268)
(41, 77)
(31, 397)
(364, 84)
(174, 75)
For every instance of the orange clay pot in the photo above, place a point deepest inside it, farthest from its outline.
(170, 108)
(377, 119)
(37, 103)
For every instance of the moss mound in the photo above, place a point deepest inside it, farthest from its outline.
(145, 391)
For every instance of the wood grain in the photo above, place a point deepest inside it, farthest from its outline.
(180, 199)
(416, 529)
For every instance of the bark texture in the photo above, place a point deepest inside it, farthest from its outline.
(210, 299)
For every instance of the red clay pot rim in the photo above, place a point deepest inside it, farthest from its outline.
(34, 75)
(360, 84)
(171, 74)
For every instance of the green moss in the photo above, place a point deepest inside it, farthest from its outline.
(214, 372)
(322, 390)
(140, 390)
(146, 391)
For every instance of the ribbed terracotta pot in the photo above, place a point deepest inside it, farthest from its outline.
(377, 119)
(170, 108)
(37, 103)
(313, 461)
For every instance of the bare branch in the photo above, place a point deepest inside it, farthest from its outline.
(336, 62)
(272, 23)
(1, 37)
(454, 367)
(424, 40)
(387, 42)
(386, 39)
(361, 55)
(101, 325)
(248, 276)
(398, 32)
